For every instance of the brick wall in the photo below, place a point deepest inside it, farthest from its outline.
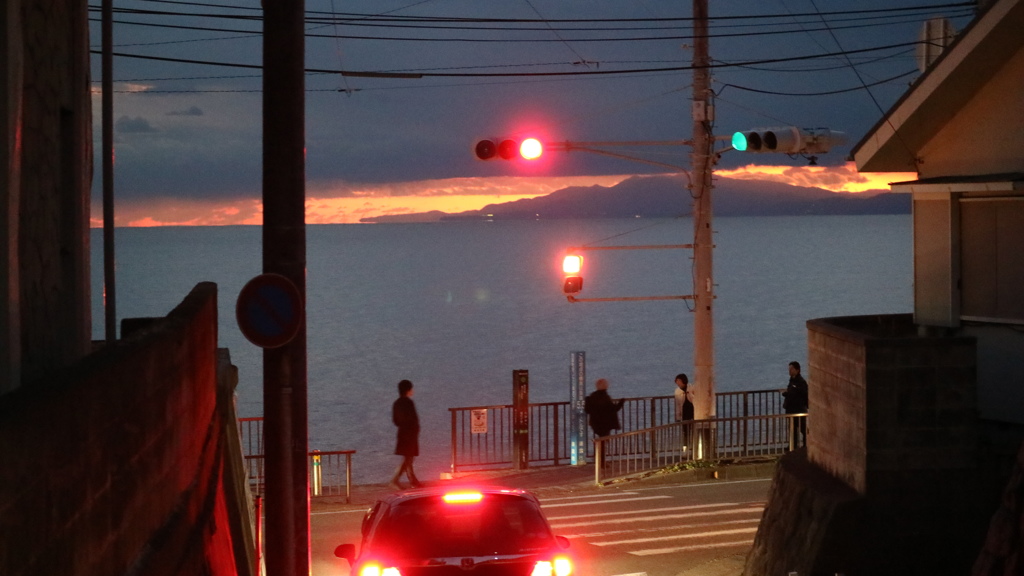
(892, 480)
(115, 466)
(885, 400)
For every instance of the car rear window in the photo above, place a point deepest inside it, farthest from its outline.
(430, 527)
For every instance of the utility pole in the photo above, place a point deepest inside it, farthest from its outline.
(284, 252)
(703, 241)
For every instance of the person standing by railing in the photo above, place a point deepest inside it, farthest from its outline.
(684, 406)
(796, 401)
(684, 399)
(603, 411)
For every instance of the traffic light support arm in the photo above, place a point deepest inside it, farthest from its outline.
(588, 147)
(639, 247)
(572, 298)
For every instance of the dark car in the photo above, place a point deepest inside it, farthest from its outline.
(445, 532)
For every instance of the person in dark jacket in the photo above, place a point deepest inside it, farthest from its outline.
(603, 411)
(407, 444)
(795, 401)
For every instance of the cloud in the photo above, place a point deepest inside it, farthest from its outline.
(495, 186)
(843, 178)
(136, 125)
(191, 111)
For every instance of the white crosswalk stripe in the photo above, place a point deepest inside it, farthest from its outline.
(645, 526)
(606, 501)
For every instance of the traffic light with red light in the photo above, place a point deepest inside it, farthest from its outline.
(508, 149)
(572, 265)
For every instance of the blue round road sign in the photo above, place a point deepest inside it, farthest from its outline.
(269, 310)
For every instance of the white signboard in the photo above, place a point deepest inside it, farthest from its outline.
(478, 419)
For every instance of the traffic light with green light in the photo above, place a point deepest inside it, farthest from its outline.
(788, 140)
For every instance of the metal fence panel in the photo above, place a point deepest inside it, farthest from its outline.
(550, 422)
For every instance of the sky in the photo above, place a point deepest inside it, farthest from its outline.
(188, 97)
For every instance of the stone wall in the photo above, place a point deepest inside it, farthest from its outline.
(116, 465)
(884, 400)
(894, 479)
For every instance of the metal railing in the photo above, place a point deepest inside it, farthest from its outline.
(640, 451)
(330, 472)
(491, 447)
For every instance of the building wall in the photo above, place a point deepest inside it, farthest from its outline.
(936, 260)
(45, 200)
(117, 465)
(986, 134)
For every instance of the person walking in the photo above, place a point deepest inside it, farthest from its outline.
(795, 401)
(407, 443)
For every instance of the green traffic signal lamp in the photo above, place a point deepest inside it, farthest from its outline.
(486, 149)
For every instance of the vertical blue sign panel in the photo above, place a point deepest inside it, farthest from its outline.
(577, 416)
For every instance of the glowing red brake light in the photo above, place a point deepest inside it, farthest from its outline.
(376, 570)
(561, 566)
(463, 497)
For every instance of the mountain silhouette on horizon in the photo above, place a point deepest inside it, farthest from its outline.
(667, 196)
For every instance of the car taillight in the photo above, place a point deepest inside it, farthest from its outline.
(470, 497)
(560, 566)
(377, 570)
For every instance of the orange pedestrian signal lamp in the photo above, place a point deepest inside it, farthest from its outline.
(572, 266)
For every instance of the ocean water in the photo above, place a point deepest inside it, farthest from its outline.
(456, 307)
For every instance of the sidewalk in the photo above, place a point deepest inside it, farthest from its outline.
(551, 481)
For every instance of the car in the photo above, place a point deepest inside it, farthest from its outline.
(438, 531)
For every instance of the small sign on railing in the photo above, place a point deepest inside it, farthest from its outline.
(478, 421)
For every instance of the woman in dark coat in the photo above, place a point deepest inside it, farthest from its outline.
(407, 444)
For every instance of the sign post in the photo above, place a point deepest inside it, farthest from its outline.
(269, 310)
(577, 415)
(521, 419)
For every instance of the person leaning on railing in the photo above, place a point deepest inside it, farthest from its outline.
(796, 401)
(603, 411)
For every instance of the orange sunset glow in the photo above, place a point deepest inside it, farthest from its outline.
(346, 203)
(843, 178)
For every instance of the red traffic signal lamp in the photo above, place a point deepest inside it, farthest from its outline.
(508, 149)
(572, 265)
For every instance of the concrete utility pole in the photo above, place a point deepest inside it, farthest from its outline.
(702, 162)
(284, 252)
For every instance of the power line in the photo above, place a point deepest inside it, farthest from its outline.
(449, 19)
(416, 75)
(490, 39)
(861, 86)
